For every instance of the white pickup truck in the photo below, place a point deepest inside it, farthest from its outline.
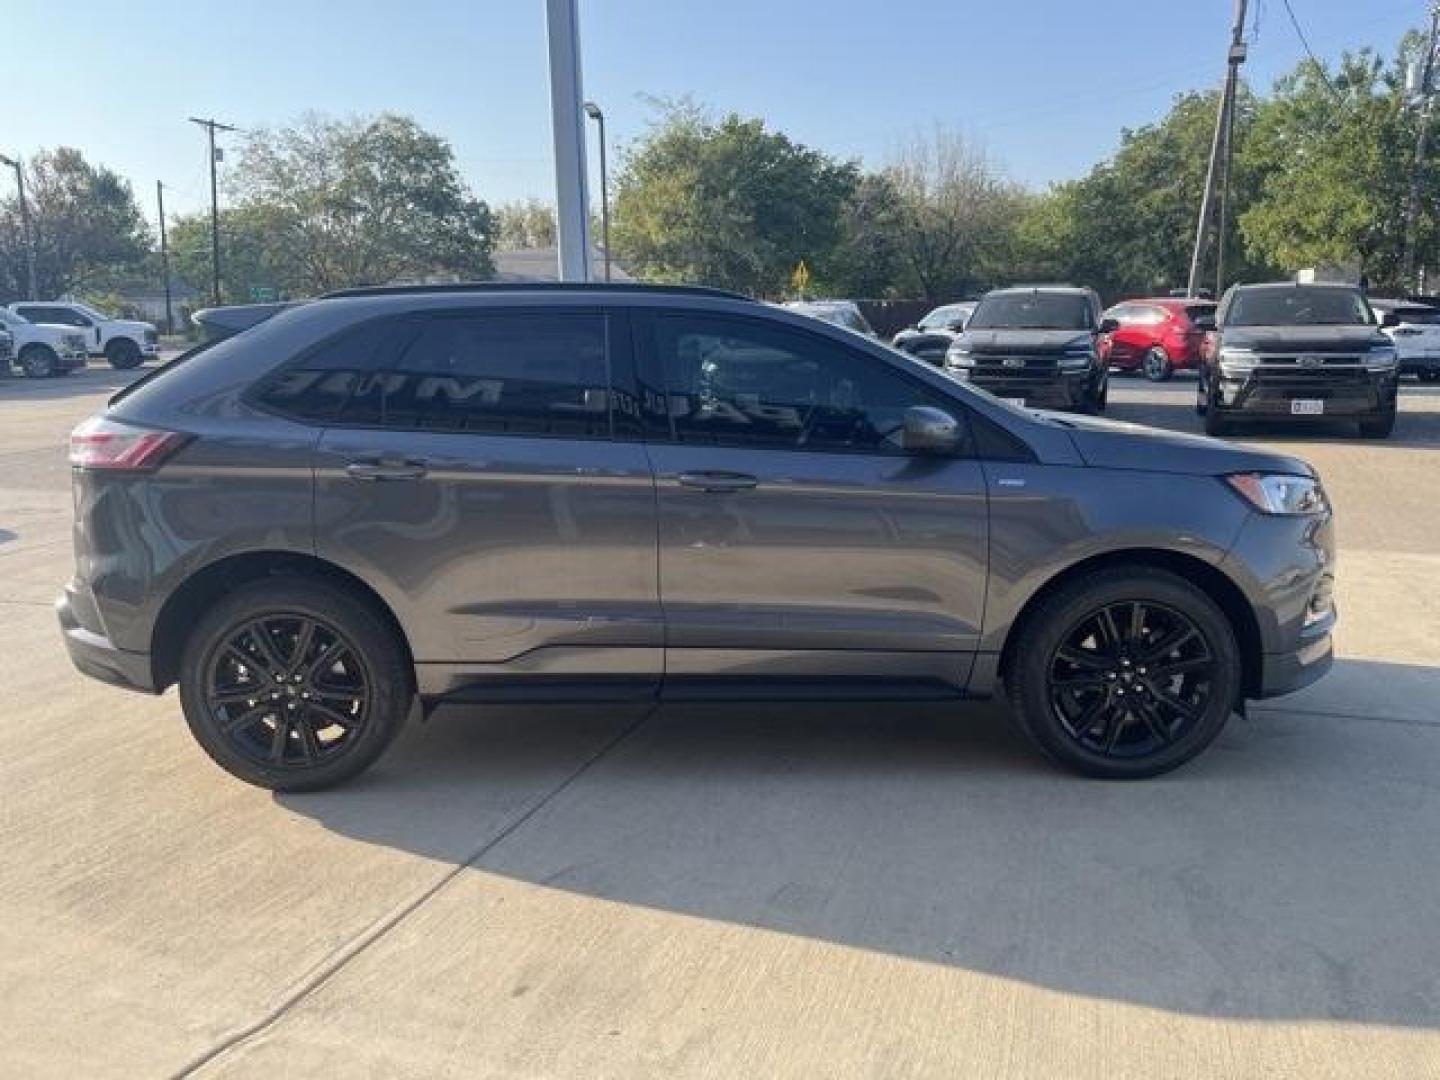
(124, 342)
(40, 350)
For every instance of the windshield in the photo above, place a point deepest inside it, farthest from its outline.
(1032, 311)
(944, 316)
(1291, 305)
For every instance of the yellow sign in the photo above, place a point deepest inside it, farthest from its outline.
(800, 279)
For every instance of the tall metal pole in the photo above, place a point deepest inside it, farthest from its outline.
(164, 257)
(572, 223)
(1234, 58)
(14, 163)
(1222, 233)
(593, 111)
(1422, 136)
(211, 126)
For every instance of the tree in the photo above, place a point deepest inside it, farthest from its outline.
(333, 203)
(1335, 152)
(865, 261)
(85, 224)
(524, 224)
(727, 203)
(955, 212)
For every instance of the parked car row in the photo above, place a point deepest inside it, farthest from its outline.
(57, 337)
(1278, 351)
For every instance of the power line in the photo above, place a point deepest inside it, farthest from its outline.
(1319, 67)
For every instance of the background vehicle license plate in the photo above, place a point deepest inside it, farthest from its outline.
(1307, 407)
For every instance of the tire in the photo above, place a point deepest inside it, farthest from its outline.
(1202, 393)
(1429, 376)
(123, 354)
(1215, 423)
(39, 361)
(337, 719)
(1121, 743)
(1156, 366)
(1381, 428)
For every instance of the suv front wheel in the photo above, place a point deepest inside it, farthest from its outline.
(293, 684)
(1125, 673)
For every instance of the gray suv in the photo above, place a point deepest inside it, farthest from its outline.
(607, 493)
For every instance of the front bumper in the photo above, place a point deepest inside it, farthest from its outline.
(95, 655)
(1051, 390)
(1284, 673)
(1418, 365)
(1268, 393)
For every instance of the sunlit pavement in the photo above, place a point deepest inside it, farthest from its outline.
(734, 892)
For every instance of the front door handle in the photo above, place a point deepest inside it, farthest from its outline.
(385, 470)
(717, 481)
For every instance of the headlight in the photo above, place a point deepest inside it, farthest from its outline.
(1278, 493)
(1381, 358)
(1238, 361)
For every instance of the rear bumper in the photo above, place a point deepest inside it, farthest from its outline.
(95, 655)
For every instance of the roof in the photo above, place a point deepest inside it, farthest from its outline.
(1076, 290)
(629, 288)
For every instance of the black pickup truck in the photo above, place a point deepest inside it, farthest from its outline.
(1290, 352)
(1037, 346)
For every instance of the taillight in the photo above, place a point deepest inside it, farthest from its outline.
(102, 443)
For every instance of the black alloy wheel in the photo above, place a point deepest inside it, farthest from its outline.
(295, 683)
(1127, 672)
(288, 691)
(1156, 364)
(1130, 678)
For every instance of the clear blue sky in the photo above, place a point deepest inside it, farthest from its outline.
(1044, 85)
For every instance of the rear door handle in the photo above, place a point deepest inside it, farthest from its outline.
(385, 470)
(717, 481)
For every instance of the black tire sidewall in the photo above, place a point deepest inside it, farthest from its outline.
(1165, 370)
(1041, 634)
(41, 351)
(124, 355)
(385, 661)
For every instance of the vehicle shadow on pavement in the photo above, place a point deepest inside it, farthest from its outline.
(1290, 872)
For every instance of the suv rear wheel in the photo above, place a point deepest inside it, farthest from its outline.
(293, 684)
(123, 354)
(1125, 673)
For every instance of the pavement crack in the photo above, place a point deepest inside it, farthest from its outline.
(339, 959)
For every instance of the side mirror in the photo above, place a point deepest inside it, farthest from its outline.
(1109, 326)
(927, 430)
(1205, 323)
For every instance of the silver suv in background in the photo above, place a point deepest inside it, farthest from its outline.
(623, 493)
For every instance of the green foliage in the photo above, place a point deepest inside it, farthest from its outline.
(525, 224)
(85, 223)
(726, 202)
(332, 203)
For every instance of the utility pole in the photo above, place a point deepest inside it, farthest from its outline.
(14, 163)
(593, 111)
(164, 257)
(1422, 136)
(572, 217)
(212, 126)
(1234, 58)
(1222, 234)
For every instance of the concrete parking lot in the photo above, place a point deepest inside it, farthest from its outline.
(734, 892)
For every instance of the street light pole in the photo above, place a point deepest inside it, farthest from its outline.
(572, 218)
(593, 111)
(164, 257)
(14, 163)
(212, 126)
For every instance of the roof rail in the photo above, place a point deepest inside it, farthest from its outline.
(535, 286)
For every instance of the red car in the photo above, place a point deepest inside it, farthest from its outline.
(1156, 337)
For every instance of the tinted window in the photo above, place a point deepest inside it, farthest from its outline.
(1032, 311)
(64, 316)
(540, 374)
(1292, 305)
(737, 383)
(1418, 316)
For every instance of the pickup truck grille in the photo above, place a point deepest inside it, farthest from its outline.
(1311, 361)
